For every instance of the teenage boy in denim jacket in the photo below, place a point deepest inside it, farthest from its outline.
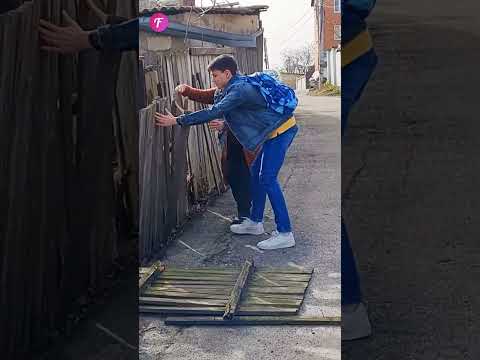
(71, 38)
(235, 160)
(257, 127)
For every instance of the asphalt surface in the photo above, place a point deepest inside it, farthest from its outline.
(410, 174)
(311, 182)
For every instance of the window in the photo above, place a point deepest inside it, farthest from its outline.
(337, 7)
(337, 32)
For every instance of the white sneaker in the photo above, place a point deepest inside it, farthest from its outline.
(355, 322)
(277, 241)
(247, 226)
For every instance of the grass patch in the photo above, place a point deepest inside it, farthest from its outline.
(326, 90)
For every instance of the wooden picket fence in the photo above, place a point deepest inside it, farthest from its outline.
(179, 168)
(68, 173)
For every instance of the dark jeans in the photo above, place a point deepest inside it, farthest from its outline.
(238, 176)
(354, 78)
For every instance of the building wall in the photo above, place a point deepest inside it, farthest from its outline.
(234, 23)
(301, 83)
(332, 19)
(290, 79)
(332, 27)
(317, 36)
(333, 70)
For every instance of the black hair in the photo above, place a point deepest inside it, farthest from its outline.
(224, 62)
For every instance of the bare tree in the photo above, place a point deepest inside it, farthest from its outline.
(297, 60)
(289, 61)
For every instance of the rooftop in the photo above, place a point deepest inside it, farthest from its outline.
(173, 10)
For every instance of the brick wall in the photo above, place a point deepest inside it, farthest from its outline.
(332, 19)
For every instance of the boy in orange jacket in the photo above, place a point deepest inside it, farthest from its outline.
(235, 159)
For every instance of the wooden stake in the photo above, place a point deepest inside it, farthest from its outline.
(149, 275)
(232, 305)
(254, 321)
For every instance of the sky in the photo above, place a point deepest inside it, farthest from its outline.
(286, 26)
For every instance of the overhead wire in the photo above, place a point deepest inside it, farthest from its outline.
(286, 42)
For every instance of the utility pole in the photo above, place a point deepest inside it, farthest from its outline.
(319, 36)
(267, 65)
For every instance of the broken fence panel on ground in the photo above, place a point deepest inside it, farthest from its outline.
(227, 296)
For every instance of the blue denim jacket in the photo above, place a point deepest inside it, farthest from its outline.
(354, 13)
(245, 111)
(123, 36)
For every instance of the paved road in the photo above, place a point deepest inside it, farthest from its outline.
(311, 179)
(412, 172)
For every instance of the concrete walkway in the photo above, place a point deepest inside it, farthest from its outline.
(311, 181)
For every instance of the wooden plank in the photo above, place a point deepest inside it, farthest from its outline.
(233, 302)
(274, 298)
(189, 287)
(255, 301)
(127, 103)
(285, 275)
(274, 283)
(286, 270)
(246, 310)
(17, 223)
(200, 275)
(192, 282)
(212, 310)
(197, 277)
(270, 283)
(254, 321)
(277, 296)
(183, 310)
(202, 51)
(148, 276)
(209, 148)
(273, 273)
(173, 270)
(276, 290)
(181, 295)
(180, 302)
(196, 289)
(280, 277)
(206, 268)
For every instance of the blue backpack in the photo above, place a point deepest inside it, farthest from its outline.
(279, 97)
(361, 7)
